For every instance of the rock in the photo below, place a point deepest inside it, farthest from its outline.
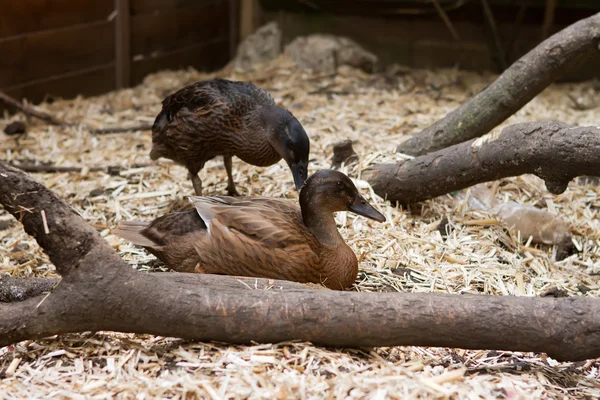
(324, 53)
(261, 46)
(15, 128)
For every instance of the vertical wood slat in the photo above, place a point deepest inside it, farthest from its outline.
(248, 17)
(548, 18)
(122, 44)
(233, 27)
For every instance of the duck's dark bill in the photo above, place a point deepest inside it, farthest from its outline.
(299, 174)
(362, 207)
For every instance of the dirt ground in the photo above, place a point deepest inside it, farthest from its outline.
(406, 254)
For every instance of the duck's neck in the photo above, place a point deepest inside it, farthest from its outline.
(337, 258)
(322, 225)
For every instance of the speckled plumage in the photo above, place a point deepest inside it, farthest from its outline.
(260, 237)
(227, 118)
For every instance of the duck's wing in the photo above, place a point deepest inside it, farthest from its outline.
(193, 104)
(218, 103)
(248, 237)
(163, 231)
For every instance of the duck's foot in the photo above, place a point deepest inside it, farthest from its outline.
(232, 191)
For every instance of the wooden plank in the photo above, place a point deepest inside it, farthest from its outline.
(548, 18)
(122, 44)
(233, 27)
(23, 16)
(39, 55)
(178, 28)
(249, 16)
(203, 57)
(157, 6)
(87, 82)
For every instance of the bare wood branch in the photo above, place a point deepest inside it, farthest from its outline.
(72, 245)
(564, 328)
(100, 292)
(105, 131)
(49, 168)
(29, 111)
(521, 82)
(551, 150)
(13, 289)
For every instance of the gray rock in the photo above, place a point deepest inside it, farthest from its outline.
(324, 53)
(261, 46)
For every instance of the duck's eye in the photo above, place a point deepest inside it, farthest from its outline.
(340, 184)
(291, 145)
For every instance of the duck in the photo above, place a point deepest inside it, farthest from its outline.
(220, 117)
(261, 236)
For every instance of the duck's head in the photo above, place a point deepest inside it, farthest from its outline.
(333, 191)
(289, 139)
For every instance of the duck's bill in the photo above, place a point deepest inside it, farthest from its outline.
(362, 207)
(299, 173)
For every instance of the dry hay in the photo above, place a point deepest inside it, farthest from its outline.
(407, 254)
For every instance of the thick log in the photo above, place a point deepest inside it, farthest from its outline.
(13, 289)
(100, 292)
(551, 150)
(520, 83)
(564, 328)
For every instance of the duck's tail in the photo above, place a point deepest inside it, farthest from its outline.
(132, 231)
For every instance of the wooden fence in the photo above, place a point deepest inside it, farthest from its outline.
(69, 47)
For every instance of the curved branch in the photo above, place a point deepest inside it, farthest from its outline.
(100, 292)
(520, 83)
(551, 150)
(71, 243)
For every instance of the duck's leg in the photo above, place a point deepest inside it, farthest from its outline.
(196, 182)
(231, 190)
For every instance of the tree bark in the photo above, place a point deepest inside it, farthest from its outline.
(98, 291)
(554, 151)
(564, 328)
(19, 289)
(520, 83)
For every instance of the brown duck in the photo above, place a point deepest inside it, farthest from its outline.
(221, 117)
(259, 236)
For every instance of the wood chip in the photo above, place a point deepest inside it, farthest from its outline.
(405, 254)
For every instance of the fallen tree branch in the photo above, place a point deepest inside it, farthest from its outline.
(13, 289)
(29, 111)
(555, 152)
(100, 292)
(520, 83)
(105, 131)
(49, 168)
